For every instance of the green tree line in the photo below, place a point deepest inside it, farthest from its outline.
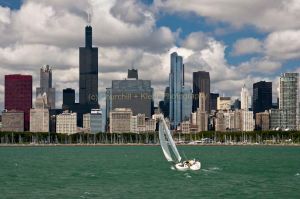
(261, 137)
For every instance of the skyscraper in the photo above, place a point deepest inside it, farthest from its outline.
(245, 99)
(18, 95)
(262, 96)
(88, 72)
(88, 78)
(179, 94)
(201, 84)
(46, 86)
(175, 84)
(288, 98)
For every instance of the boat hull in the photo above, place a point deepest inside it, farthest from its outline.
(194, 166)
(181, 167)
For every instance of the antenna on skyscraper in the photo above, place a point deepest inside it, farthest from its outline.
(89, 14)
(89, 18)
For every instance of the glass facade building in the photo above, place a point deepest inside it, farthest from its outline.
(288, 98)
(176, 78)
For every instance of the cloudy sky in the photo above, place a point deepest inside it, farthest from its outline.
(238, 42)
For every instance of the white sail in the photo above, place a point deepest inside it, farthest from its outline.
(164, 144)
(167, 141)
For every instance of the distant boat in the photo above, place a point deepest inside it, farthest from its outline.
(170, 151)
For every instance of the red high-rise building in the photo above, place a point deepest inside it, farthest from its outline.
(18, 95)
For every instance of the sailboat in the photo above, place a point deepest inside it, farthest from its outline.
(170, 151)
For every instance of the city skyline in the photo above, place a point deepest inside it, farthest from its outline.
(201, 46)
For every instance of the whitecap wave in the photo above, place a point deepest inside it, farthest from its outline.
(187, 175)
(211, 169)
(215, 168)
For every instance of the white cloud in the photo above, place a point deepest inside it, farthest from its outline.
(247, 46)
(196, 41)
(266, 15)
(4, 15)
(262, 66)
(32, 56)
(211, 59)
(277, 46)
(130, 11)
(283, 45)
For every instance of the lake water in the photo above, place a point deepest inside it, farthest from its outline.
(142, 172)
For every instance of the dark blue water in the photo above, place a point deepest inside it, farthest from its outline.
(142, 172)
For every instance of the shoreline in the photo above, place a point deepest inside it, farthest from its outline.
(103, 145)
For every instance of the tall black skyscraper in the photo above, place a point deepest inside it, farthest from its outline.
(262, 96)
(88, 72)
(201, 84)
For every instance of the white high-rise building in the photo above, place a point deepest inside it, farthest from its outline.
(39, 116)
(66, 123)
(245, 99)
(248, 123)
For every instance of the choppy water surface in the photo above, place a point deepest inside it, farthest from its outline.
(142, 172)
